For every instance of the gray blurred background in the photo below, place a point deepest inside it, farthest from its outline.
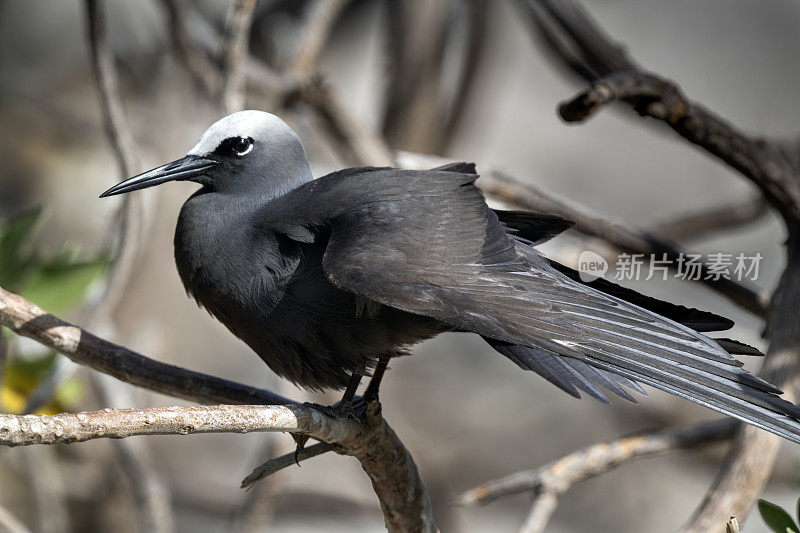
(466, 414)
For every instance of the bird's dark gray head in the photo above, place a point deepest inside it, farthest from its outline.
(249, 152)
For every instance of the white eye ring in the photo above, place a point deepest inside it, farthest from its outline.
(239, 141)
(247, 151)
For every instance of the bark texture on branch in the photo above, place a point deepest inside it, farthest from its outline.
(29, 320)
(652, 96)
(382, 455)
(26, 430)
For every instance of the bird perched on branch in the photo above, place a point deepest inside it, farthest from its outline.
(327, 279)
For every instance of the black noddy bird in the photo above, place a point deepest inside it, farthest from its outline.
(328, 278)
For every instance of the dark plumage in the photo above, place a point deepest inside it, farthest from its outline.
(323, 277)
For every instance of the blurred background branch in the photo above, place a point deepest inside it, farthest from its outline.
(446, 78)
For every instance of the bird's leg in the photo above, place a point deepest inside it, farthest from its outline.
(377, 376)
(352, 386)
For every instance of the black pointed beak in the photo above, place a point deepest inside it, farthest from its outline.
(184, 168)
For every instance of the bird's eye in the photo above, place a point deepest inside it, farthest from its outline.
(240, 146)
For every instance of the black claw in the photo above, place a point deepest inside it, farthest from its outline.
(301, 443)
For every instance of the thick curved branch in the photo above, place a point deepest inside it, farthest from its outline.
(652, 96)
(26, 319)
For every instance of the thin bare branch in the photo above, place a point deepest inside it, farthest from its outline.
(503, 187)
(256, 510)
(357, 143)
(321, 15)
(29, 320)
(573, 36)
(152, 497)
(10, 523)
(284, 461)
(27, 430)
(538, 517)
(234, 55)
(522, 195)
(583, 45)
(652, 96)
(414, 114)
(129, 228)
(201, 67)
(707, 222)
(47, 490)
(561, 475)
(105, 73)
(478, 16)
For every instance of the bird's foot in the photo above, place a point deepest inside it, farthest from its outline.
(354, 409)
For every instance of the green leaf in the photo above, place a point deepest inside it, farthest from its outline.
(13, 235)
(59, 286)
(24, 373)
(776, 518)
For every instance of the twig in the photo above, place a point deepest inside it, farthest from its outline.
(26, 319)
(4, 344)
(284, 461)
(414, 114)
(561, 475)
(542, 509)
(127, 216)
(357, 143)
(709, 221)
(202, 69)
(256, 509)
(47, 490)
(522, 195)
(320, 18)
(153, 499)
(652, 96)
(501, 186)
(10, 523)
(478, 16)
(234, 55)
(575, 38)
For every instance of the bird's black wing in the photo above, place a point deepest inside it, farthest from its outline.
(427, 243)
